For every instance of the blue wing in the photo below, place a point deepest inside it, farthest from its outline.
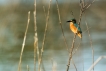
(77, 26)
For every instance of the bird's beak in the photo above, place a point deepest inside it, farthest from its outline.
(69, 21)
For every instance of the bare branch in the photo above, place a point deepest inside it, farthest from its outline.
(61, 26)
(71, 50)
(28, 68)
(90, 43)
(88, 5)
(46, 28)
(92, 66)
(23, 45)
(74, 64)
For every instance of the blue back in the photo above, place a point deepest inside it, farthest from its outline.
(77, 26)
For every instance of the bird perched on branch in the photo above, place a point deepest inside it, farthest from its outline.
(75, 28)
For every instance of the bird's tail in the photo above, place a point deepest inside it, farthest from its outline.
(80, 35)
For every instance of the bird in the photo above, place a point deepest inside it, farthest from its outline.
(75, 28)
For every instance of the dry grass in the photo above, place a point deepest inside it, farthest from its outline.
(61, 25)
(28, 68)
(90, 39)
(23, 45)
(44, 38)
(36, 49)
(95, 63)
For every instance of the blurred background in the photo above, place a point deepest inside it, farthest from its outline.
(13, 21)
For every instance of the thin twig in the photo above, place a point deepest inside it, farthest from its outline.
(83, 63)
(83, 3)
(62, 30)
(77, 48)
(83, 8)
(43, 39)
(35, 38)
(86, 6)
(61, 26)
(90, 43)
(89, 4)
(74, 64)
(44, 11)
(53, 65)
(28, 68)
(71, 50)
(81, 13)
(23, 45)
(46, 28)
(72, 13)
(92, 66)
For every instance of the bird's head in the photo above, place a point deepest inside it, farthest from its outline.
(72, 20)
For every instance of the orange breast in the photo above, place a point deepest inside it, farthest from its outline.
(73, 28)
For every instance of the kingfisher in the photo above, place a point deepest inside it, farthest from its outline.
(75, 28)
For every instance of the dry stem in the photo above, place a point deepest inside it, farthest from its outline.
(91, 44)
(46, 28)
(28, 68)
(19, 66)
(71, 50)
(92, 66)
(61, 26)
(63, 32)
(35, 39)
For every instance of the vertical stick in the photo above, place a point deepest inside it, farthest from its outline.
(19, 66)
(92, 66)
(71, 50)
(35, 38)
(61, 26)
(64, 36)
(90, 43)
(46, 28)
(27, 68)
